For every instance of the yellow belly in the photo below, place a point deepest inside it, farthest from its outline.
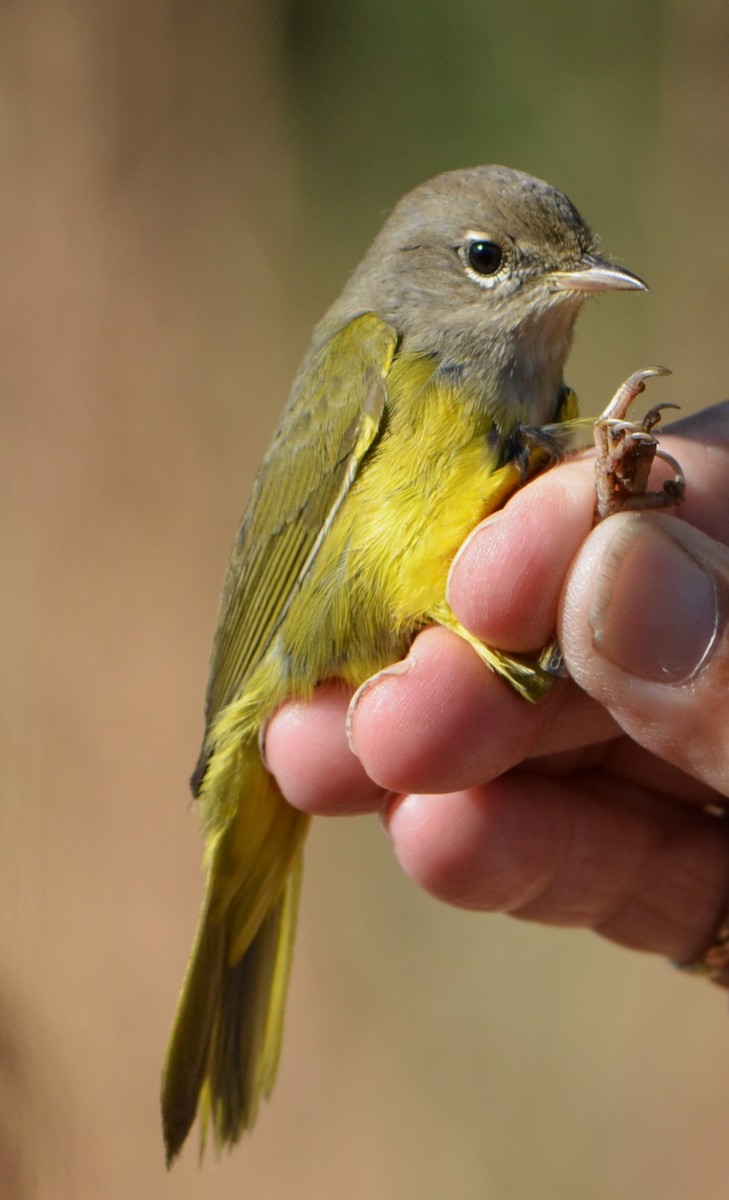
(383, 566)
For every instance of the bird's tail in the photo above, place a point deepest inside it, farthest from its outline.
(226, 1038)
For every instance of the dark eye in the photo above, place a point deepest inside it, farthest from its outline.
(484, 257)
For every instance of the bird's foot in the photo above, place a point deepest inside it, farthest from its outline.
(626, 451)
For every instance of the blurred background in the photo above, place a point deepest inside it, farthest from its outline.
(185, 187)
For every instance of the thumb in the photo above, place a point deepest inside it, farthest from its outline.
(643, 629)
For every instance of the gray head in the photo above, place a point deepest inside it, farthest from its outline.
(482, 263)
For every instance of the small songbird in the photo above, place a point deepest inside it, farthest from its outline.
(432, 388)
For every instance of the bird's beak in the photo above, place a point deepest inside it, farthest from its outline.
(595, 274)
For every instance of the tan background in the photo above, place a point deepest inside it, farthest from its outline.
(183, 189)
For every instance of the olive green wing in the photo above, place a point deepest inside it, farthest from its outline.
(331, 421)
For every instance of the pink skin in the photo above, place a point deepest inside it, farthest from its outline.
(587, 808)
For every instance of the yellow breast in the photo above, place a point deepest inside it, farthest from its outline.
(383, 565)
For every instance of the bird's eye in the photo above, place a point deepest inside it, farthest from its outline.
(484, 257)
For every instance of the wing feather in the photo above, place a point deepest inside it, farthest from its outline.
(331, 421)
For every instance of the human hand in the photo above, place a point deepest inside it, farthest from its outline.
(588, 808)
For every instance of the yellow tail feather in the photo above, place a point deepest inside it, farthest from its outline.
(226, 1037)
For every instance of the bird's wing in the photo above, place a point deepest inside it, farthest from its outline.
(330, 423)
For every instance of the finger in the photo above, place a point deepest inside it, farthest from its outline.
(644, 631)
(560, 852)
(506, 581)
(624, 766)
(448, 722)
(701, 445)
(307, 750)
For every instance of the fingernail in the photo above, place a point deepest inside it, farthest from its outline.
(485, 530)
(386, 811)
(262, 742)
(654, 610)
(396, 669)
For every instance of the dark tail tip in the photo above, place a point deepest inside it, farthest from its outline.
(175, 1128)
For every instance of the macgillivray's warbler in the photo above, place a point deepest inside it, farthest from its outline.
(431, 389)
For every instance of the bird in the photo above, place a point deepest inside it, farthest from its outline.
(432, 388)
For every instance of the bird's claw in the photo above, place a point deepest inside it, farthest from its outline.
(626, 451)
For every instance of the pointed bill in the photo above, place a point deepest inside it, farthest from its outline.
(595, 274)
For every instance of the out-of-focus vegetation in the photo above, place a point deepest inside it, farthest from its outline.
(184, 188)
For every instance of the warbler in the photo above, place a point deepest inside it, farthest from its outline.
(431, 389)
